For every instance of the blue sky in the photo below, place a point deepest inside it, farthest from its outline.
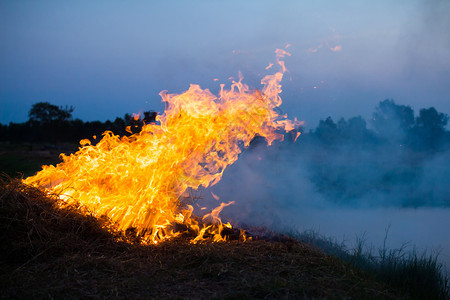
(108, 58)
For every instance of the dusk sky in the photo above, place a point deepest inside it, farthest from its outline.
(108, 58)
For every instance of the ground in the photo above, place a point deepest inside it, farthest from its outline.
(19, 160)
(48, 252)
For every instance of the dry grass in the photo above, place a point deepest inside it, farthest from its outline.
(48, 252)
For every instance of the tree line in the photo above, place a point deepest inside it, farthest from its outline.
(400, 160)
(49, 123)
(390, 124)
(396, 157)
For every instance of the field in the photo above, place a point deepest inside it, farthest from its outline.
(26, 159)
(49, 252)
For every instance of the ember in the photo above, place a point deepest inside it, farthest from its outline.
(139, 181)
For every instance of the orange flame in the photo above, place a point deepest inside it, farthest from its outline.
(139, 181)
(136, 117)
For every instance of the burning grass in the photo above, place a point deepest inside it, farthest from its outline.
(53, 252)
(140, 181)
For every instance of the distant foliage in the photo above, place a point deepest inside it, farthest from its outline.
(392, 125)
(401, 161)
(49, 123)
(392, 121)
(44, 112)
(428, 132)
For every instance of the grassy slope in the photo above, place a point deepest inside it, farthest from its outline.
(48, 252)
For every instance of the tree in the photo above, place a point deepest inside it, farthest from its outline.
(429, 130)
(431, 119)
(327, 131)
(44, 112)
(149, 117)
(392, 121)
(355, 131)
(3, 132)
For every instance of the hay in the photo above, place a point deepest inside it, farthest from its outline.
(49, 252)
(32, 225)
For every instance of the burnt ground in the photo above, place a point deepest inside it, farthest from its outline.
(49, 252)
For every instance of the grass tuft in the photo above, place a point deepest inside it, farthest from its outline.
(418, 274)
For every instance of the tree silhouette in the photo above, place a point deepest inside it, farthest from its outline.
(149, 117)
(431, 119)
(327, 131)
(392, 121)
(429, 130)
(44, 112)
(354, 131)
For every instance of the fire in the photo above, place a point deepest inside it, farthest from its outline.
(139, 181)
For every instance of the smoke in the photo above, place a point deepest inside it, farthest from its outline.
(267, 184)
(427, 39)
(344, 187)
(435, 180)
